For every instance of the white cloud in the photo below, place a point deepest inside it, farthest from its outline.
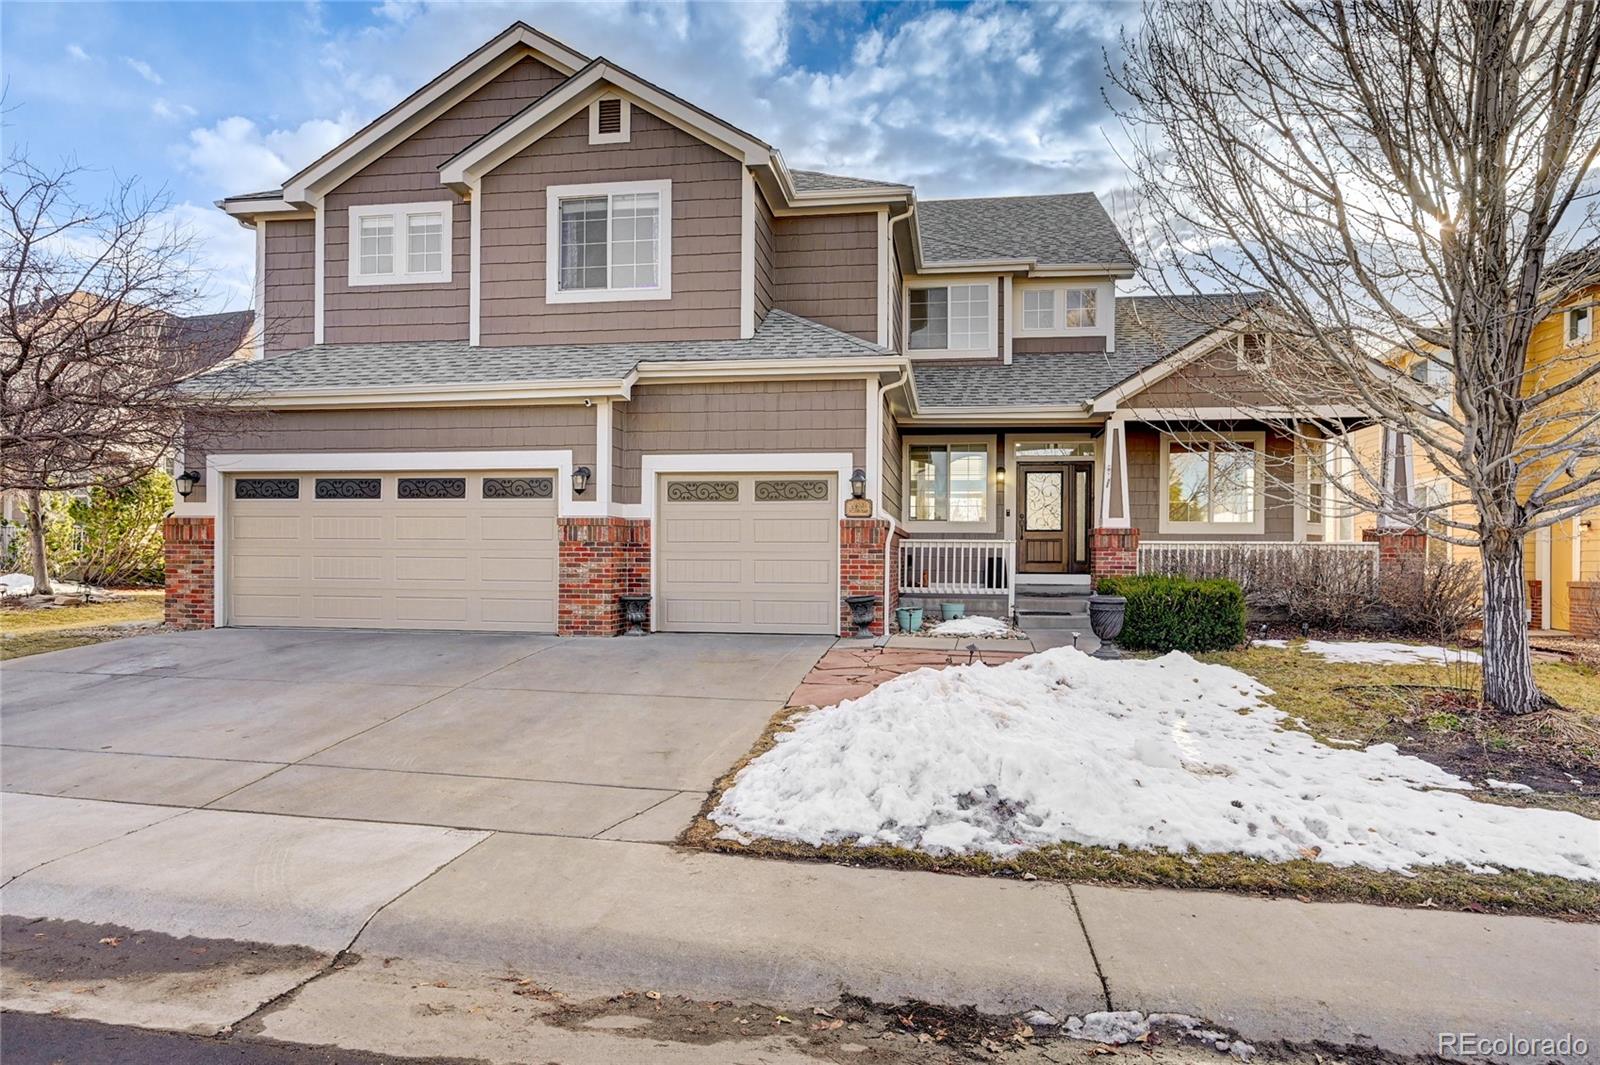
(76, 51)
(225, 252)
(235, 155)
(161, 107)
(144, 70)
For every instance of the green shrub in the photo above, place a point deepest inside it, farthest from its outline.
(1179, 614)
(119, 533)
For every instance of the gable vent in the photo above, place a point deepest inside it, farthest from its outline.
(609, 116)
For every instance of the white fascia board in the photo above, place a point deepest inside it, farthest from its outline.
(1271, 414)
(248, 209)
(973, 266)
(532, 122)
(1004, 416)
(652, 372)
(436, 395)
(462, 79)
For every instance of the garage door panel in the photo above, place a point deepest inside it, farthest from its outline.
(379, 561)
(752, 553)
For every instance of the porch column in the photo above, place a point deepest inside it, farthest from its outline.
(1398, 480)
(1114, 542)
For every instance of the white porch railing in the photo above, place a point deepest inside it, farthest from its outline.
(958, 567)
(1259, 566)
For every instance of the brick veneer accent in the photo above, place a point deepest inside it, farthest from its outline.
(1397, 545)
(600, 559)
(1584, 606)
(189, 548)
(1536, 603)
(863, 553)
(1113, 552)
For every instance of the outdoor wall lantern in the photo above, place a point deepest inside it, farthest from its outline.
(186, 482)
(1000, 476)
(580, 480)
(858, 483)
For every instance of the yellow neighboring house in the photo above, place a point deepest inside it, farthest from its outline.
(1559, 556)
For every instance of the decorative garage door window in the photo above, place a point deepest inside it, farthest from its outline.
(791, 491)
(349, 488)
(266, 488)
(702, 491)
(518, 488)
(432, 488)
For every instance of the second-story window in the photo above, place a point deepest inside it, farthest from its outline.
(610, 242)
(953, 318)
(400, 244)
(1580, 325)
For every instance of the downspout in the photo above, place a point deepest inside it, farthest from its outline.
(883, 394)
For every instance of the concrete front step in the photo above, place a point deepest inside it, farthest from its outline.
(1030, 620)
(1052, 604)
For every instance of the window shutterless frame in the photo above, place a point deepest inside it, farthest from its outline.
(1211, 445)
(400, 243)
(607, 191)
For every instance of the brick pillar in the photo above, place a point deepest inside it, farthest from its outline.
(1536, 603)
(1113, 553)
(1397, 545)
(863, 553)
(189, 547)
(600, 559)
(1585, 609)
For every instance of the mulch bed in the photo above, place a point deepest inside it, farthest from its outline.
(849, 673)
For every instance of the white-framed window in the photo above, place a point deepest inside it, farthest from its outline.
(1038, 308)
(1580, 325)
(955, 318)
(610, 120)
(1213, 483)
(400, 243)
(949, 482)
(1078, 305)
(609, 242)
(1315, 454)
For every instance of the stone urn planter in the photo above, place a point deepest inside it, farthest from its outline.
(1106, 615)
(862, 610)
(635, 610)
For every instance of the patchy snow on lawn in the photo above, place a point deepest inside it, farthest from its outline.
(1389, 654)
(973, 626)
(1158, 753)
(16, 584)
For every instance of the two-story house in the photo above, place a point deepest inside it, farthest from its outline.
(546, 333)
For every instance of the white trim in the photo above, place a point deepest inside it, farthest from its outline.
(885, 275)
(554, 194)
(914, 527)
(838, 463)
(476, 70)
(259, 344)
(475, 267)
(1105, 301)
(1009, 318)
(399, 215)
(747, 256)
(988, 351)
(220, 465)
(1189, 414)
(623, 135)
(1567, 316)
(1541, 573)
(874, 448)
(317, 332)
(1116, 446)
(600, 482)
(1258, 522)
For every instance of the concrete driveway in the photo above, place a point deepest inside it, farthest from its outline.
(616, 739)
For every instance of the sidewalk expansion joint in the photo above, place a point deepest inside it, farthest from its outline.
(1099, 970)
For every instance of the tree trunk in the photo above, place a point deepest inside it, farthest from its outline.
(1508, 684)
(41, 568)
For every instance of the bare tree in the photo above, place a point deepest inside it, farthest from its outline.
(1397, 177)
(92, 345)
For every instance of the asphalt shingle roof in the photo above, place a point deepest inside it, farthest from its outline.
(453, 363)
(1054, 230)
(817, 181)
(1149, 328)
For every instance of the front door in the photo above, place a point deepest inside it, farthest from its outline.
(1055, 501)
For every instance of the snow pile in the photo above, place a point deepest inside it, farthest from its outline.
(1388, 654)
(16, 584)
(1159, 753)
(973, 626)
(1130, 1026)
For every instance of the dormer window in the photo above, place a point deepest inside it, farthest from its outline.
(400, 244)
(1057, 309)
(609, 242)
(610, 119)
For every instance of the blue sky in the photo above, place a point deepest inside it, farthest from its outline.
(209, 99)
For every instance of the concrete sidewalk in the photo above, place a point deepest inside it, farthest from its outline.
(595, 915)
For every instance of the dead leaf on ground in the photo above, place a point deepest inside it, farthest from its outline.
(111, 941)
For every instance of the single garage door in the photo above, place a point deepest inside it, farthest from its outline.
(748, 553)
(392, 551)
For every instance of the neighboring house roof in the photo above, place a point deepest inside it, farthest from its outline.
(453, 363)
(202, 341)
(1149, 329)
(817, 181)
(1065, 229)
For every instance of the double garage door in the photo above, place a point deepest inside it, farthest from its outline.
(478, 550)
(393, 551)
